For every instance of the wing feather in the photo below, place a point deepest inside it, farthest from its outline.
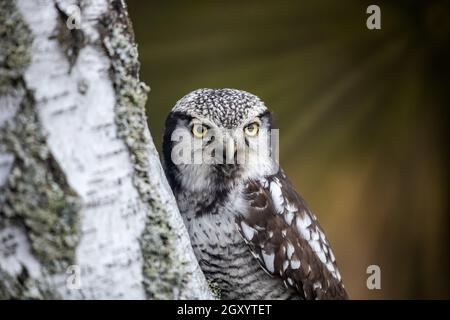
(288, 241)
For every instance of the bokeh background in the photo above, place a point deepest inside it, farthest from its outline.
(362, 116)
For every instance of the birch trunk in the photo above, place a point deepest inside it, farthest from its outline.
(85, 209)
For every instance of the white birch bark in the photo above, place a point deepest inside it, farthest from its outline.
(80, 180)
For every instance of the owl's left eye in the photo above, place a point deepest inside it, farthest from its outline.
(252, 129)
(199, 130)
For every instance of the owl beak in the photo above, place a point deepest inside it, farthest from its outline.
(230, 151)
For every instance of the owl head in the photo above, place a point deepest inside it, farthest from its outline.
(217, 137)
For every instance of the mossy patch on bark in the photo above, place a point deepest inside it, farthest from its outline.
(36, 195)
(163, 271)
(22, 286)
(15, 40)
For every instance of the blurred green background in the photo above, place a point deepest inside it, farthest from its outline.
(362, 116)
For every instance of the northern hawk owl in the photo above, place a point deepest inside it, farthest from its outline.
(252, 233)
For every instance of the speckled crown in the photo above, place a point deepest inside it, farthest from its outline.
(228, 108)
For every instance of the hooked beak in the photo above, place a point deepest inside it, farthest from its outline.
(230, 151)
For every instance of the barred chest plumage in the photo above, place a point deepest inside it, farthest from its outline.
(223, 255)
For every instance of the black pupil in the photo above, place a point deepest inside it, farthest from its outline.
(200, 129)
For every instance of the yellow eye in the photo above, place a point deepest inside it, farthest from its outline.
(199, 130)
(252, 129)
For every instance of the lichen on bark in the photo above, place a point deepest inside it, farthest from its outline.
(22, 286)
(163, 271)
(15, 39)
(36, 195)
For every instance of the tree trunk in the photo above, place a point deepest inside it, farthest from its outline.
(85, 209)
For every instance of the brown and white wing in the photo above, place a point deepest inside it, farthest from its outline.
(287, 240)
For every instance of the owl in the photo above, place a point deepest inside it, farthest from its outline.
(252, 233)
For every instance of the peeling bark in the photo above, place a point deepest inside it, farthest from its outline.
(80, 179)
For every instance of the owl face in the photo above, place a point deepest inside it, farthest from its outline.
(214, 137)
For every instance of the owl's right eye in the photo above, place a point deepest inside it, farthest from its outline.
(199, 130)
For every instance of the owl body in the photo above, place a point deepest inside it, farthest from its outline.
(223, 255)
(252, 233)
